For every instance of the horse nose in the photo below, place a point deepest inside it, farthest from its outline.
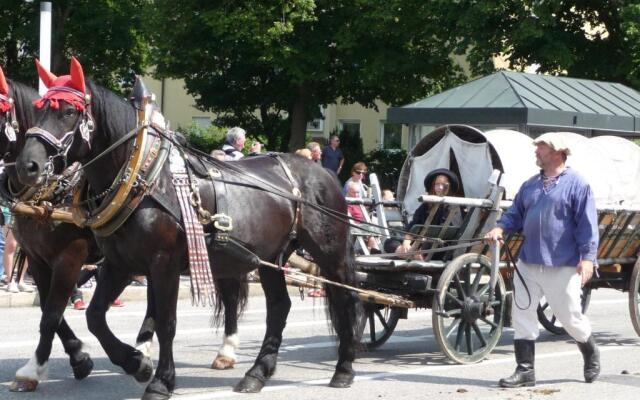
(32, 168)
(28, 172)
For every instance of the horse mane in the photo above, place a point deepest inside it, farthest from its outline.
(23, 96)
(113, 115)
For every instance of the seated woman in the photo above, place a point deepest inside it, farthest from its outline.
(439, 182)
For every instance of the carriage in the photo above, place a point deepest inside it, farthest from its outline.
(465, 287)
(469, 289)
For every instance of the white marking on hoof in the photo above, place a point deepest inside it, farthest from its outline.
(32, 371)
(229, 346)
(145, 348)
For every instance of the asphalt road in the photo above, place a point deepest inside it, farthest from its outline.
(409, 366)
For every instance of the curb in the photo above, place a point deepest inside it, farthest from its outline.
(130, 293)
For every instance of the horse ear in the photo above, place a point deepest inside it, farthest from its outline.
(4, 87)
(77, 75)
(47, 77)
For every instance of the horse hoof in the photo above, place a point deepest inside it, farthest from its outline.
(249, 384)
(222, 362)
(23, 385)
(145, 371)
(83, 369)
(341, 380)
(153, 395)
(156, 391)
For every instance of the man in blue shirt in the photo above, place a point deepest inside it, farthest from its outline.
(555, 211)
(332, 157)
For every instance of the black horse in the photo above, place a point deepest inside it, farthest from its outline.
(57, 251)
(152, 240)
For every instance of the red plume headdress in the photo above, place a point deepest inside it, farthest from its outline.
(69, 88)
(5, 100)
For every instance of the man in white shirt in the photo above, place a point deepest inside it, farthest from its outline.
(234, 143)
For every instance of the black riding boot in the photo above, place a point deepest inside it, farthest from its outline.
(524, 375)
(591, 356)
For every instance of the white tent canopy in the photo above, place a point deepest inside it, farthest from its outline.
(610, 164)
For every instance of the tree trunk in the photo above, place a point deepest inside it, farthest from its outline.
(298, 120)
(59, 61)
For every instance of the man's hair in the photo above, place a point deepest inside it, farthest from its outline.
(306, 153)
(313, 145)
(234, 134)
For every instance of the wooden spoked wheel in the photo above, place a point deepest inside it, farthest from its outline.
(634, 297)
(378, 323)
(466, 323)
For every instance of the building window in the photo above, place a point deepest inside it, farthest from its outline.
(201, 122)
(316, 125)
(350, 126)
(390, 135)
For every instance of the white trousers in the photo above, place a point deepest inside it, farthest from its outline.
(561, 286)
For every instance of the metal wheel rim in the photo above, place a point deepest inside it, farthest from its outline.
(463, 339)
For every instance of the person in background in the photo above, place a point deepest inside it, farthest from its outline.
(358, 172)
(218, 154)
(332, 157)
(356, 211)
(387, 195)
(439, 182)
(3, 278)
(555, 211)
(87, 272)
(15, 284)
(316, 151)
(234, 143)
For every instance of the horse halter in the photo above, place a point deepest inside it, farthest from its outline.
(85, 125)
(11, 125)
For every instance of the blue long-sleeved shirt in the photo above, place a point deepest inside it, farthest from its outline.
(560, 227)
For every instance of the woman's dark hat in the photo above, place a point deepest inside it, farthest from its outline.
(453, 179)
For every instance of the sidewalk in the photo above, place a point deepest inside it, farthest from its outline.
(131, 293)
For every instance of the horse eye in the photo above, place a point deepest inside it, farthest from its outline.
(69, 112)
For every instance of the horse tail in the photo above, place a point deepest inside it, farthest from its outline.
(344, 312)
(231, 297)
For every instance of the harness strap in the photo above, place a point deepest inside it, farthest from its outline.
(222, 207)
(59, 144)
(202, 287)
(295, 191)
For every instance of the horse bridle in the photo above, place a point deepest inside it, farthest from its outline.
(85, 125)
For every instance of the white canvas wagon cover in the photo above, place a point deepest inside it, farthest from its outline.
(610, 164)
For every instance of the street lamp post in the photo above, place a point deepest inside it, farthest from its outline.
(45, 39)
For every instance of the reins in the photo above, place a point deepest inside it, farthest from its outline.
(255, 182)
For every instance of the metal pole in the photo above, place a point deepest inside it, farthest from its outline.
(45, 40)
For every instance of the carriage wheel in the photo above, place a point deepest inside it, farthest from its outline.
(550, 322)
(466, 328)
(378, 323)
(634, 297)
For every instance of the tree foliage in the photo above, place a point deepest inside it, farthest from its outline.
(107, 36)
(270, 64)
(593, 39)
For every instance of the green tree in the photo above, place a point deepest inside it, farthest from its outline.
(585, 39)
(268, 65)
(107, 36)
